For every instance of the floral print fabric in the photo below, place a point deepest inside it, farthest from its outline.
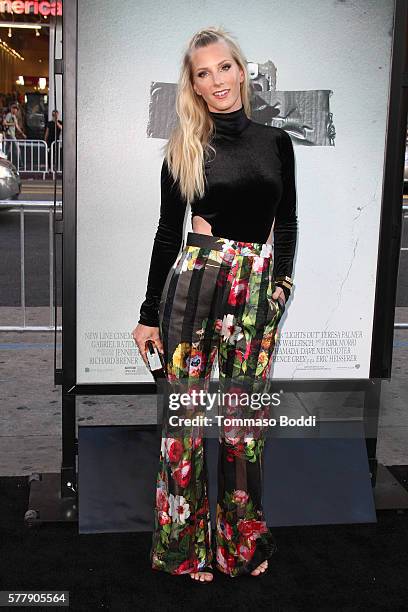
(216, 303)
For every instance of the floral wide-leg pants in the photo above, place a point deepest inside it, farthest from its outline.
(217, 300)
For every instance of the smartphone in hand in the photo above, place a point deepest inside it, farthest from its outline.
(155, 360)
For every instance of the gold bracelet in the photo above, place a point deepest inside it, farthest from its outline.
(287, 278)
(286, 281)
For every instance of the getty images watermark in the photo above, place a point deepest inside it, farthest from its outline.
(231, 400)
(236, 411)
(258, 408)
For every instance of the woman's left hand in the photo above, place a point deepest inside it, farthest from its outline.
(279, 293)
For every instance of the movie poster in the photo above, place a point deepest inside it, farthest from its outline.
(321, 71)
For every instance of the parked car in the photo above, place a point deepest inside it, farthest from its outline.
(10, 180)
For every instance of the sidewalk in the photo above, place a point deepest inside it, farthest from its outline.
(30, 404)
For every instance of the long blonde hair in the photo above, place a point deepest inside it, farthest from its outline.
(188, 146)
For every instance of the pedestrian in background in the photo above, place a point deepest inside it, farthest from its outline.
(12, 126)
(52, 133)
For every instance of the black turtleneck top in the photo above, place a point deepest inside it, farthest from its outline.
(250, 183)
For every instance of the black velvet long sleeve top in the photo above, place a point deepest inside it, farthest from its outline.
(250, 186)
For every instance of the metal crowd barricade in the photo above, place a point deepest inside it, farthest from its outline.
(48, 206)
(32, 155)
(56, 154)
(22, 207)
(27, 155)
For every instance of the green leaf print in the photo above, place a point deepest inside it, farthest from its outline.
(259, 369)
(198, 466)
(236, 370)
(223, 350)
(200, 537)
(249, 317)
(252, 330)
(185, 544)
(159, 547)
(175, 530)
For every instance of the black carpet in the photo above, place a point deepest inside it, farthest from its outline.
(339, 567)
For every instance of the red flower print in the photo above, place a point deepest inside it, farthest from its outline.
(235, 445)
(225, 559)
(234, 451)
(239, 293)
(218, 325)
(164, 518)
(249, 347)
(174, 450)
(182, 474)
(162, 503)
(251, 529)
(188, 566)
(246, 552)
(205, 507)
(226, 529)
(197, 441)
(239, 497)
(260, 264)
(239, 356)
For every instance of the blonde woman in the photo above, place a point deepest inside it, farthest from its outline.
(223, 299)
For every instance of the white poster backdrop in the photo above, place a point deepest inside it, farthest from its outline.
(341, 47)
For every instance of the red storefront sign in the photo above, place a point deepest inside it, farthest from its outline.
(20, 7)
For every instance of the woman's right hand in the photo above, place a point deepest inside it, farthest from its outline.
(141, 334)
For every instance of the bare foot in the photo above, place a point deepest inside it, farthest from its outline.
(202, 576)
(260, 569)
